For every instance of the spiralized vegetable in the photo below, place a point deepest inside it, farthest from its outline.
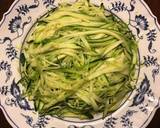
(80, 60)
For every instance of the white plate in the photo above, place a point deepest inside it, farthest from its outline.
(137, 111)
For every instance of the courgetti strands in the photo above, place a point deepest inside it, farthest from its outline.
(80, 60)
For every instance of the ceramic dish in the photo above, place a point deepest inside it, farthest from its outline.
(141, 105)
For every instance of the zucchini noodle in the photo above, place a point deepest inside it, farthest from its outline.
(80, 60)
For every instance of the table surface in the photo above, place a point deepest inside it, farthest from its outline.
(153, 4)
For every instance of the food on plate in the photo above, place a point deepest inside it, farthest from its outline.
(80, 60)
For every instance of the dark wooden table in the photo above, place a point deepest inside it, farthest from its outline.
(153, 4)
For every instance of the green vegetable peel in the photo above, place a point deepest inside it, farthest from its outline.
(80, 60)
